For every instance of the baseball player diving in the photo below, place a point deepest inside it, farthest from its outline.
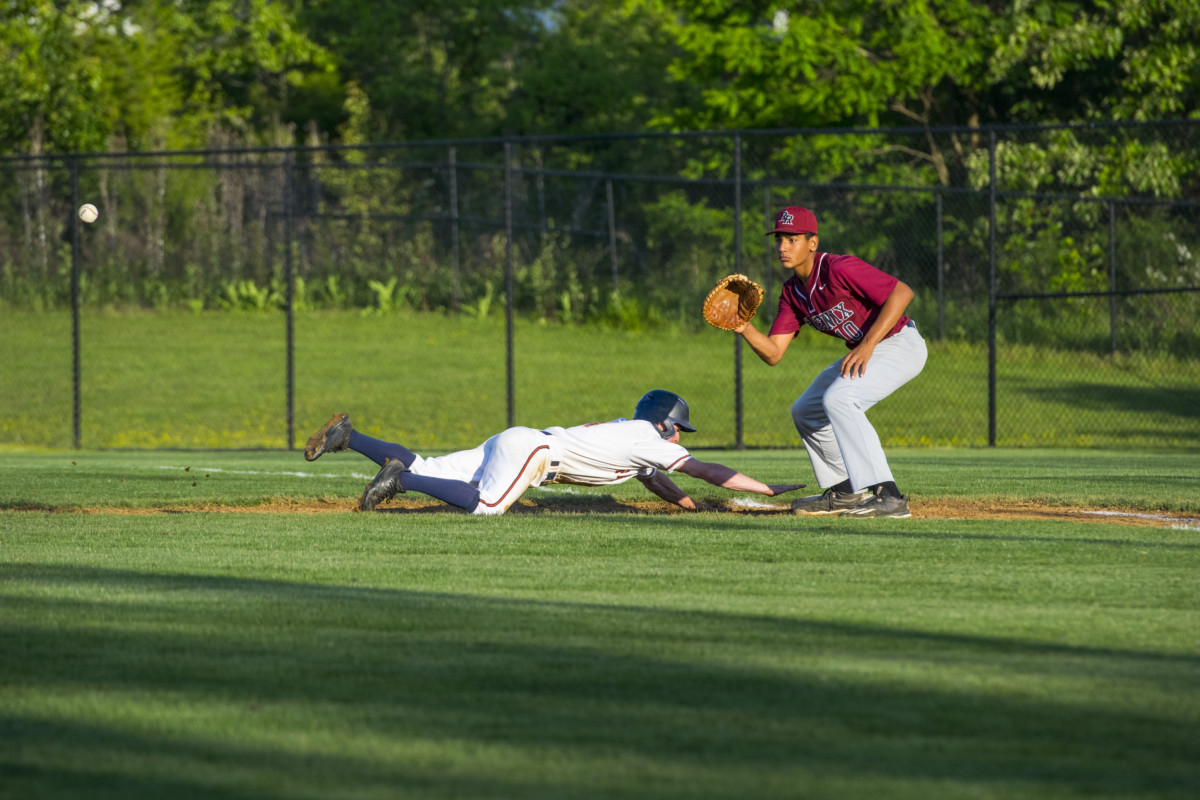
(845, 297)
(488, 479)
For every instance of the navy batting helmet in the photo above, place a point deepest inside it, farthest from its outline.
(664, 409)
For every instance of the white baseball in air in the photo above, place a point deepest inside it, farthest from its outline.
(88, 212)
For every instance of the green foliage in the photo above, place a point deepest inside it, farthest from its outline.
(482, 305)
(628, 314)
(246, 296)
(94, 76)
(90, 76)
(1122, 60)
(760, 65)
(615, 56)
(432, 71)
(389, 297)
(329, 294)
(54, 93)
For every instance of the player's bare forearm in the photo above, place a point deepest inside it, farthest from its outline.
(890, 313)
(768, 348)
(728, 478)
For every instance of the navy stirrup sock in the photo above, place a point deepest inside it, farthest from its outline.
(380, 451)
(456, 493)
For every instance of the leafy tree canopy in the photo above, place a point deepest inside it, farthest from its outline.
(146, 74)
(83, 76)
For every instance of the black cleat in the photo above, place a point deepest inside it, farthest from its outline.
(333, 436)
(385, 486)
(830, 502)
(881, 505)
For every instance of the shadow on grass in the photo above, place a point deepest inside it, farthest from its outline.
(444, 695)
(1166, 414)
(1085, 397)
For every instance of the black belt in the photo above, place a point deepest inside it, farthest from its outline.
(553, 473)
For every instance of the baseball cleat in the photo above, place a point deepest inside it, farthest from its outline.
(829, 503)
(880, 505)
(333, 436)
(385, 486)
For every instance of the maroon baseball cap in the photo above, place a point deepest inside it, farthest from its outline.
(795, 219)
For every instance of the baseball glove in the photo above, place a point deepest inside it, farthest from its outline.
(732, 302)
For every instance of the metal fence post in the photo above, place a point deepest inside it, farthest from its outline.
(739, 410)
(508, 282)
(612, 234)
(940, 272)
(289, 306)
(771, 262)
(454, 297)
(1112, 273)
(76, 371)
(992, 289)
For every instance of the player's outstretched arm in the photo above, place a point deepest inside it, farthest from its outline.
(728, 478)
(664, 487)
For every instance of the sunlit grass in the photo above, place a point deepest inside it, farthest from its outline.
(219, 380)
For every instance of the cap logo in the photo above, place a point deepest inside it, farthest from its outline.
(785, 218)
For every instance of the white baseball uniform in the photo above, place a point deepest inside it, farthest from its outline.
(599, 454)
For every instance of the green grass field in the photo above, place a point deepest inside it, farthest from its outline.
(197, 381)
(166, 651)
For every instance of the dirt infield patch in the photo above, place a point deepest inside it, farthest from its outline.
(921, 509)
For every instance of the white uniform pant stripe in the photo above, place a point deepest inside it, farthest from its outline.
(499, 488)
(831, 415)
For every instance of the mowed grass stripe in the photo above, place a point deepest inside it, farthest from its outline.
(607, 656)
(1160, 482)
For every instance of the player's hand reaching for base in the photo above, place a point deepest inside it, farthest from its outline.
(782, 488)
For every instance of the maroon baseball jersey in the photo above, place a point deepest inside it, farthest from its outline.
(842, 297)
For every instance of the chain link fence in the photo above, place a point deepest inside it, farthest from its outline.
(440, 291)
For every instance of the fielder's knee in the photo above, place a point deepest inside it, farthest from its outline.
(841, 402)
(808, 416)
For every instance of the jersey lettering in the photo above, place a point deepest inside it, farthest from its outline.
(841, 297)
(837, 321)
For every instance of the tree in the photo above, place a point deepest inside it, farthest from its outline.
(812, 64)
(53, 84)
(599, 67)
(430, 71)
(153, 74)
(1082, 60)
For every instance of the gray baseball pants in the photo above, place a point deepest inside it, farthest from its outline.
(831, 415)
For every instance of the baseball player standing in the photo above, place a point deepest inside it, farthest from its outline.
(489, 478)
(845, 297)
